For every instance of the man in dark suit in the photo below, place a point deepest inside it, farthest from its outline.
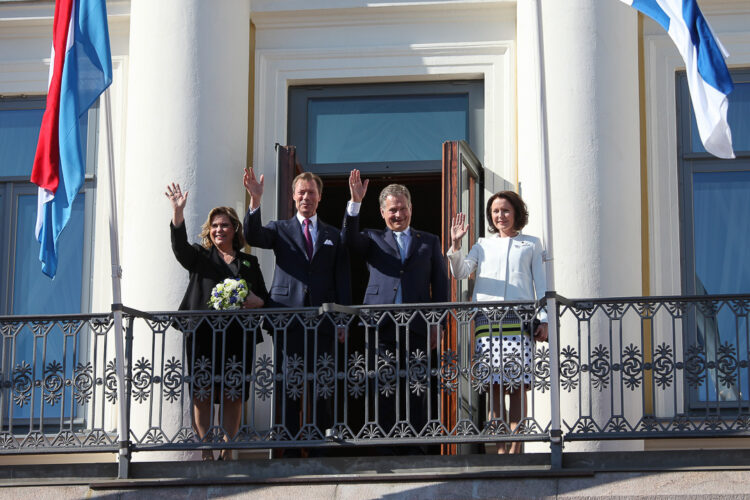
(312, 268)
(406, 266)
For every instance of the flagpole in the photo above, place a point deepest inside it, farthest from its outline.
(124, 454)
(555, 422)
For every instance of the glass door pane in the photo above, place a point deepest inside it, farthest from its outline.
(721, 204)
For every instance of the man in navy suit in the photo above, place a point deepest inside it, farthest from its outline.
(312, 268)
(406, 266)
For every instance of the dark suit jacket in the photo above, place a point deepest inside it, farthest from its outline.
(297, 281)
(207, 268)
(422, 275)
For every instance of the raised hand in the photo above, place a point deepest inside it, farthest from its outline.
(357, 188)
(178, 199)
(253, 186)
(458, 230)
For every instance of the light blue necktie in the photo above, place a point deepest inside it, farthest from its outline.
(401, 242)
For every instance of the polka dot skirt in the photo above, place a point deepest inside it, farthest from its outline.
(510, 352)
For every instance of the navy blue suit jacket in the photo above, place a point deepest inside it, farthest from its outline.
(297, 281)
(423, 276)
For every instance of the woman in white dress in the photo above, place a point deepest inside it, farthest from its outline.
(509, 266)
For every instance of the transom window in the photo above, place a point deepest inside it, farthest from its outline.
(383, 128)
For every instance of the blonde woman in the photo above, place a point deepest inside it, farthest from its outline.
(219, 256)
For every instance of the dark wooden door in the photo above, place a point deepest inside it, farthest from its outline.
(463, 191)
(287, 168)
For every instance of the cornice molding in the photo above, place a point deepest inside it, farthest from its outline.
(296, 5)
(34, 14)
(725, 6)
(379, 14)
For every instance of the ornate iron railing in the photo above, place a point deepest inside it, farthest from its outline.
(58, 381)
(655, 367)
(627, 368)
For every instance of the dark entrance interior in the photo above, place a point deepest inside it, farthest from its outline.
(426, 208)
(426, 213)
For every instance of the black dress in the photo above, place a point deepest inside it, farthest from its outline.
(232, 346)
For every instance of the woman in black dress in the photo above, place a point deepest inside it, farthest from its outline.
(216, 354)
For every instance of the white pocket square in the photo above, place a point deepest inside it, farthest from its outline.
(328, 242)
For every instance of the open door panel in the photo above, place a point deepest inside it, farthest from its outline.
(287, 168)
(463, 191)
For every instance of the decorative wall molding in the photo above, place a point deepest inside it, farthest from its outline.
(277, 69)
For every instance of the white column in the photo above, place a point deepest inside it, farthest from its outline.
(591, 64)
(187, 122)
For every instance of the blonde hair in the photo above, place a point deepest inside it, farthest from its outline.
(237, 242)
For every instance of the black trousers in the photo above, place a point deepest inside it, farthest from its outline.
(403, 386)
(305, 392)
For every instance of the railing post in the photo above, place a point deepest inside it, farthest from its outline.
(124, 452)
(556, 442)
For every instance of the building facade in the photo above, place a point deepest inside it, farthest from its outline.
(203, 89)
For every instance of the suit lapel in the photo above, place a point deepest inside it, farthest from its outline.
(323, 235)
(294, 229)
(244, 271)
(217, 260)
(414, 241)
(390, 239)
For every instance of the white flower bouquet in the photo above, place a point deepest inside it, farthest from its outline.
(229, 294)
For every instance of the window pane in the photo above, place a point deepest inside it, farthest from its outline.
(19, 132)
(738, 117)
(384, 128)
(721, 202)
(33, 292)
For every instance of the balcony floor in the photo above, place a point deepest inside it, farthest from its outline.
(693, 474)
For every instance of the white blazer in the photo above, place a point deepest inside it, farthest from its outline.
(507, 269)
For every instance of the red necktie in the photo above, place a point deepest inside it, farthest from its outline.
(308, 238)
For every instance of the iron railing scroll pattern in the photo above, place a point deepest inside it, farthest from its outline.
(655, 367)
(382, 384)
(58, 389)
(625, 368)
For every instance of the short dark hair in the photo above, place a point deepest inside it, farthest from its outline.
(520, 212)
(309, 176)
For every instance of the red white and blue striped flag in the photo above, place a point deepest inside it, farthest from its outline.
(80, 71)
(708, 78)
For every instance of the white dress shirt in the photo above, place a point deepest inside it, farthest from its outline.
(313, 226)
